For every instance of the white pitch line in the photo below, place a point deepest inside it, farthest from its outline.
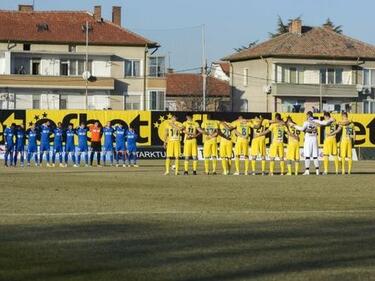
(119, 213)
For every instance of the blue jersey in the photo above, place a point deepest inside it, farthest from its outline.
(32, 136)
(45, 133)
(108, 136)
(58, 139)
(131, 139)
(9, 136)
(20, 136)
(69, 138)
(120, 135)
(82, 136)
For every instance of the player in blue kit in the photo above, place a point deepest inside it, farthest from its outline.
(32, 146)
(120, 144)
(45, 133)
(9, 137)
(20, 145)
(58, 144)
(108, 143)
(70, 148)
(81, 131)
(131, 145)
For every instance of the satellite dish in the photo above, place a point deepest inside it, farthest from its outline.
(359, 88)
(267, 89)
(86, 75)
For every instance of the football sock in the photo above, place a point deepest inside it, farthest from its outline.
(214, 165)
(186, 165)
(177, 165)
(206, 165)
(316, 163)
(167, 164)
(263, 165)
(237, 164)
(224, 165)
(253, 165)
(337, 164)
(195, 165)
(282, 167)
(297, 168)
(343, 165)
(272, 166)
(307, 163)
(246, 165)
(350, 165)
(289, 168)
(325, 163)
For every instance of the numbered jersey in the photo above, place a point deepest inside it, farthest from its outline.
(174, 134)
(329, 129)
(257, 131)
(225, 132)
(311, 128)
(293, 138)
(210, 126)
(191, 128)
(347, 132)
(242, 128)
(277, 131)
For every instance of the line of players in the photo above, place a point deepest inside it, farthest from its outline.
(125, 148)
(237, 135)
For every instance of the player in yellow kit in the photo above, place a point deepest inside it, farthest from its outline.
(346, 143)
(277, 130)
(258, 143)
(172, 143)
(330, 143)
(292, 150)
(226, 146)
(241, 129)
(210, 129)
(190, 129)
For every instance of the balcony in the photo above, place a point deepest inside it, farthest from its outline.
(314, 90)
(55, 82)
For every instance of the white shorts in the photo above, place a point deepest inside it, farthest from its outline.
(310, 148)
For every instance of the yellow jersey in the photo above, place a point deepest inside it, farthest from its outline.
(294, 137)
(329, 130)
(242, 128)
(277, 131)
(174, 134)
(210, 126)
(261, 129)
(225, 132)
(347, 132)
(191, 128)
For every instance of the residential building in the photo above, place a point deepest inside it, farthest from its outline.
(220, 70)
(43, 59)
(307, 68)
(185, 93)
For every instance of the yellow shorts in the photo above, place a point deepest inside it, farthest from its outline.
(226, 149)
(190, 148)
(346, 149)
(258, 147)
(241, 147)
(293, 152)
(277, 150)
(173, 149)
(330, 146)
(210, 149)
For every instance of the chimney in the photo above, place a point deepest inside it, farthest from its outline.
(170, 70)
(25, 8)
(116, 15)
(296, 27)
(98, 13)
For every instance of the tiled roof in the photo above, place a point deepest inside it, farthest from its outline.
(314, 42)
(190, 84)
(64, 27)
(225, 66)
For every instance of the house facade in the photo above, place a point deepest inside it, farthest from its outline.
(43, 59)
(308, 68)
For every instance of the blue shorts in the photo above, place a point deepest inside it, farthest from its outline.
(83, 148)
(120, 147)
(9, 147)
(45, 147)
(58, 148)
(108, 148)
(20, 148)
(132, 149)
(32, 149)
(70, 148)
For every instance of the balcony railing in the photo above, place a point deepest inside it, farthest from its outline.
(314, 90)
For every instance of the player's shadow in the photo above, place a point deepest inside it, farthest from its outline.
(191, 249)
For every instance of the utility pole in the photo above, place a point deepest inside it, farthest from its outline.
(204, 67)
(144, 78)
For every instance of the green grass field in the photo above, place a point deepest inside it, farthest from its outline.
(136, 224)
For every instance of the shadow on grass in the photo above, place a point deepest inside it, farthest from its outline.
(133, 249)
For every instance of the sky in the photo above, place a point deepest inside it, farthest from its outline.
(176, 24)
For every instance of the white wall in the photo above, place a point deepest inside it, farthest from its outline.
(101, 68)
(217, 72)
(2, 63)
(50, 66)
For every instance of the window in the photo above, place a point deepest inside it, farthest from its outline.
(132, 68)
(35, 67)
(293, 75)
(369, 77)
(323, 76)
(63, 102)
(133, 102)
(156, 100)
(81, 66)
(157, 66)
(246, 77)
(331, 76)
(72, 48)
(338, 79)
(64, 67)
(369, 106)
(73, 67)
(26, 47)
(36, 101)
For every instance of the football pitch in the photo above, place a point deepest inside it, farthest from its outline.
(136, 224)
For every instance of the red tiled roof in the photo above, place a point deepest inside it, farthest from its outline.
(314, 42)
(225, 66)
(190, 84)
(64, 27)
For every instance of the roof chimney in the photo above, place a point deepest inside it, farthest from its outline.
(116, 15)
(98, 13)
(296, 27)
(25, 8)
